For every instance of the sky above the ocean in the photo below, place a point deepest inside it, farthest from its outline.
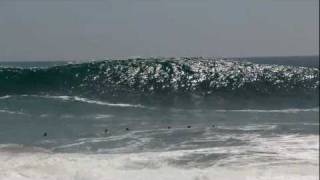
(80, 29)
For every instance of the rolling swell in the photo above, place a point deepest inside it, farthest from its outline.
(168, 80)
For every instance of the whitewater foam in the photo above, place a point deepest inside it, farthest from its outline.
(79, 167)
(286, 157)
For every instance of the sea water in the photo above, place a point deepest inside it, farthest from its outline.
(159, 118)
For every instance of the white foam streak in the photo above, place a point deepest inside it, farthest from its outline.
(5, 97)
(103, 116)
(89, 101)
(104, 103)
(11, 112)
(272, 111)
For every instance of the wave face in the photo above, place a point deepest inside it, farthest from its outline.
(154, 77)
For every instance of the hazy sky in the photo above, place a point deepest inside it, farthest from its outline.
(81, 29)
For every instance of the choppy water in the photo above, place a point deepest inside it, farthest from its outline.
(187, 118)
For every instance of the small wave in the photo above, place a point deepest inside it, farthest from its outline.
(5, 97)
(255, 127)
(11, 112)
(103, 116)
(272, 111)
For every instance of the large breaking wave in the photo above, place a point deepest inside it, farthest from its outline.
(133, 79)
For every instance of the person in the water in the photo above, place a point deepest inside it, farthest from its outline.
(188, 126)
(127, 129)
(45, 134)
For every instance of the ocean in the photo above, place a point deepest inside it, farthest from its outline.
(189, 118)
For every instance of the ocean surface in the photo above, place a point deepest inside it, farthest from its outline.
(189, 118)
